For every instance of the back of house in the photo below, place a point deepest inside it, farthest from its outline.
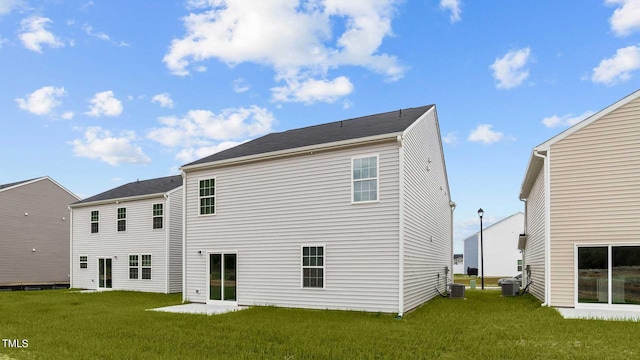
(34, 233)
(354, 214)
(583, 220)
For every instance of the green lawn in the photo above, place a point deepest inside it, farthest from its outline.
(59, 324)
(465, 279)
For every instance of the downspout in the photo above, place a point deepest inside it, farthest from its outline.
(525, 280)
(547, 227)
(70, 246)
(167, 230)
(401, 231)
(184, 235)
(452, 205)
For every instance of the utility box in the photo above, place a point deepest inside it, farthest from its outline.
(510, 287)
(457, 291)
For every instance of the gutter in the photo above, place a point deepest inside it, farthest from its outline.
(547, 226)
(167, 239)
(117, 200)
(184, 236)
(70, 247)
(401, 230)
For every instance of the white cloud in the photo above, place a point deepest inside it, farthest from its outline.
(100, 144)
(88, 29)
(104, 103)
(510, 70)
(300, 41)
(309, 90)
(619, 67)
(7, 6)
(485, 135)
(454, 7)
(164, 100)
(240, 85)
(626, 18)
(42, 101)
(191, 154)
(565, 120)
(202, 131)
(68, 115)
(33, 34)
(450, 139)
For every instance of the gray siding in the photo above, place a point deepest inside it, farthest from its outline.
(427, 214)
(266, 211)
(595, 192)
(140, 238)
(535, 248)
(45, 229)
(175, 206)
(471, 253)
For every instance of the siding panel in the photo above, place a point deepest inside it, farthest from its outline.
(535, 247)
(427, 214)
(175, 206)
(267, 210)
(594, 192)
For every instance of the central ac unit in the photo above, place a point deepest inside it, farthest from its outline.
(457, 291)
(510, 288)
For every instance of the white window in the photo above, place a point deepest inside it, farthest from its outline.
(133, 267)
(157, 216)
(95, 216)
(83, 262)
(146, 267)
(122, 219)
(519, 265)
(364, 175)
(313, 266)
(208, 196)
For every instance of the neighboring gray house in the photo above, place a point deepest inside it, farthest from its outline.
(34, 233)
(582, 204)
(129, 238)
(353, 214)
(500, 242)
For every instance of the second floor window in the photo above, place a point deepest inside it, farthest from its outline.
(365, 179)
(122, 219)
(94, 221)
(157, 216)
(207, 196)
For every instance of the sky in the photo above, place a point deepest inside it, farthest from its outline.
(99, 93)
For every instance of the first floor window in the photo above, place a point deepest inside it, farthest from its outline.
(133, 267)
(519, 265)
(94, 221)
(83, 262)
(364, 175)
(157, 216)
(146, 267)
(609, 274)
(122, 219)
(313, 266)
(207, 197)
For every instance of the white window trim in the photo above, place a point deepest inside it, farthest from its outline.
(207, 286)
(126, 217)
(91, 222)
(154, 216)
(86, 261)
(129, 267)
(215, 196)
(150, 267)
(323, 267)
(377, 156)
(609, 305)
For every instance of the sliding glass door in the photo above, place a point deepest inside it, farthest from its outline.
(608, 274)
(104, 273)
(222, 277)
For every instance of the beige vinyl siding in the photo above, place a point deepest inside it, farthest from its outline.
(427, 214)
(173, 220)
(45, 229)
(535, 247)
(139, 238)
(267, 210)
(595, 192)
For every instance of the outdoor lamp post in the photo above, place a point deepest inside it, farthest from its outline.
(480, 213)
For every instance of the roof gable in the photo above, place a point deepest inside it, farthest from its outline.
(137, 188)
(372, 125)
(13, 185)
(10, 185)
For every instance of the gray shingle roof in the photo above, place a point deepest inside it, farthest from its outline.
(5, 186)
(378, 124)
(137, 188)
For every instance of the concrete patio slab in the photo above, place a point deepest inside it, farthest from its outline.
(595, 314)
(202, 309)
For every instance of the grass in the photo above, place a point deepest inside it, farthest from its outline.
(60, 324)
(465, 279)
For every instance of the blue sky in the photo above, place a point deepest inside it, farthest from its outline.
(99, 93)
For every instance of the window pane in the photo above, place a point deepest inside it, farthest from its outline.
(146, 260)
(133, 260)
(146, 273)
(593, 274)
(122, 225)
(133, 273)
(157, 222)
(625, 273)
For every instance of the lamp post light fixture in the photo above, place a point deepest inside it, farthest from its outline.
(480, 213)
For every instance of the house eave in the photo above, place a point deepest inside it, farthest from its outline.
(292, 152)
(533, 168)
(119, 200)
